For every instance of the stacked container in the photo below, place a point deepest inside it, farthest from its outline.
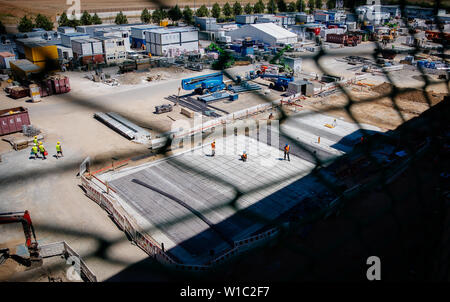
(5, 59)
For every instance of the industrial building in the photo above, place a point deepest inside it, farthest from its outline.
(138, 34)
(113, 32)
(304, 18)
(268, 33)
(88, 50)
(172, 42)
(67, 38)
(114, 49)
(206, 23)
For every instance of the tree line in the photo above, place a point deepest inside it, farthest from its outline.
(26, 24)
(225, 13)
(228, 12)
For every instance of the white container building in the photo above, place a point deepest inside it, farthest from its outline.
(114, 49)
(97, 47)
(66, 39)
(172, 42)
(65, 53)
(115, 33)
(82, 47)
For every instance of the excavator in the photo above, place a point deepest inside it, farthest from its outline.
(225, 60)
(33, 249)
(278, 60)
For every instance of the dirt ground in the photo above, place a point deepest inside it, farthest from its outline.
(382, 112)
(154, 75)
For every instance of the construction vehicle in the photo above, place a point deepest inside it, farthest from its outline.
(279, 82)
(225, 60)
(33, 249)
(278, 60)
(204, 84)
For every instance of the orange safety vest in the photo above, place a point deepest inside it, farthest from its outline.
(286, 148)
(213, 145)
(244, 155)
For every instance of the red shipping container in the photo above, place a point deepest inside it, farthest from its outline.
(62, 85)
(67, 84)
(98, 59)
(10, 123)
(19, 92)
(49, 87)
(56, 86)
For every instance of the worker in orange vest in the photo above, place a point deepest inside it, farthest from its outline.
(287, 148)
(244, 156)
(213, 148)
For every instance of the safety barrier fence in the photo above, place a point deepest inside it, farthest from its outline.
(159, 142)
(146, 243)
(246, 244)
(335, 85)
(64, 249)
(95, 192)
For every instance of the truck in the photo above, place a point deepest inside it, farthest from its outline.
(205, 83)
(279, 82)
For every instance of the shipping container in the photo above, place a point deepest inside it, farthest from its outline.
(66, 39)
(92, 59)
(82, 47)
(12, 120)
(5, 59)
(39, 52)
(245, 19)
(97, 46)
(22, 69)
(18, 92)
(336, 38)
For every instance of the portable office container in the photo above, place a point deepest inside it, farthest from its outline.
(82, 47)
(5, 59)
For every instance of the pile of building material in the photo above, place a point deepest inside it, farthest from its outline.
(124, 127)
(217, 96)
(17, 92)
(245, 86)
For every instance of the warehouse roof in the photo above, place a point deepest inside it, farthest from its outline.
(274, 30)
(106, 38)
(77, 34)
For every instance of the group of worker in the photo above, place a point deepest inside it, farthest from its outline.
(244, 156)
(38, 148)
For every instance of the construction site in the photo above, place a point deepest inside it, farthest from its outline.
(257, 151)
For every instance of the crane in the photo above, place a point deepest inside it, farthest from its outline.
(30, 236)
(226, 60)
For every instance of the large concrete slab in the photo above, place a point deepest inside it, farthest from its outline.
(206, 185)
